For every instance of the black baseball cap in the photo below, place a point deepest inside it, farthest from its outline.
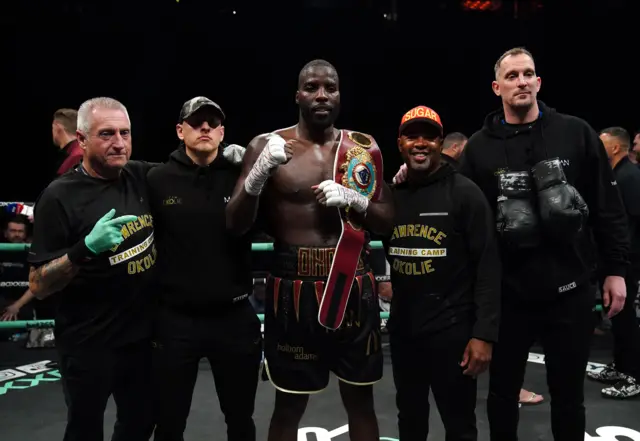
(194, 104)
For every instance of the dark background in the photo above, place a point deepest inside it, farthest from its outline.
(154, 55)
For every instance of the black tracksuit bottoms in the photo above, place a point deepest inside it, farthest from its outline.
(432, 362)
(626, 333)
(232, 343)
(90, 377)
(564, 326)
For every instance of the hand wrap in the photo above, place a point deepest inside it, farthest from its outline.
(270, 158)
(339, 196)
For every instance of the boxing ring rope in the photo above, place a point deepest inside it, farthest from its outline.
(259, 246)
(263, 246)
(33, 324)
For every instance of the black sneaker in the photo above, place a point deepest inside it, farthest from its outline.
(607, 374)
(628, 387)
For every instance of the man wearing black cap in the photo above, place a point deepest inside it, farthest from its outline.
(204, 279)
(446, 280)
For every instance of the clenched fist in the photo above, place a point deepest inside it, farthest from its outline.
(276, 152)
(332, 194)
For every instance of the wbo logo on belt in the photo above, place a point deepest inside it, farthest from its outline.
(359, 170)
(358, 166)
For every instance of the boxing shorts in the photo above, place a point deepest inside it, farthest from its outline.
(299, 352)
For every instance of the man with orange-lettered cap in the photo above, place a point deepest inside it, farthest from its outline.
(446, 282)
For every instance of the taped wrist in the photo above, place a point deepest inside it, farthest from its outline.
(355, 200)
(80, 253)
(259, 173)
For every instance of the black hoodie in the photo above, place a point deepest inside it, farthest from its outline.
(628, 179)
(552, 267)
(201, 268)
(444, 260)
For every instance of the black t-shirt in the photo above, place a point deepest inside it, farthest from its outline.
(108, 303)
(14, 274)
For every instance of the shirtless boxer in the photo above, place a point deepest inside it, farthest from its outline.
(287, 184)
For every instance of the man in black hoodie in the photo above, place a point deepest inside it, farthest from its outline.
(453, 147)
(204, 279)
(445, 272)
(624, 372)
(547, 176)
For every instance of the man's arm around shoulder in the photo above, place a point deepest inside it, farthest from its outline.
(242, 209)
(142, 167)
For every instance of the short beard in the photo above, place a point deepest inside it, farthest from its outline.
(314, 123)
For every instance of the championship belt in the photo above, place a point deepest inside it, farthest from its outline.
(358, 166)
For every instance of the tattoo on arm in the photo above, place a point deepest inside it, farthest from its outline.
(51, 277)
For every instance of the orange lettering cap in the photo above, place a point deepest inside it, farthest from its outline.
(423, 114)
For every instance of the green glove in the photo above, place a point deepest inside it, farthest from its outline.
(107, 232)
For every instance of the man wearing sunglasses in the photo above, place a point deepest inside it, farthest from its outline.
(203, 279)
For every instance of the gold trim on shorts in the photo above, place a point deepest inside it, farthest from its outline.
(316, 262)
(281, 389)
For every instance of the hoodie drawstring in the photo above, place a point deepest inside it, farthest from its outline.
(537, 128)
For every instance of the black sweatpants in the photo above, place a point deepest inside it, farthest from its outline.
(564, 326)
(89, 378)
(432, 363)
(231, 341)
(626, 333)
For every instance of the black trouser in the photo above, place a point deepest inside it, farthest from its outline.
(626, 334)
(433, 362)
(89, 378)
(232, 343)
(564, 326)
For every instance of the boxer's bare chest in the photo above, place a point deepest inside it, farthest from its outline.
(309, 166)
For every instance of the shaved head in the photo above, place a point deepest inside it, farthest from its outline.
(314, 64)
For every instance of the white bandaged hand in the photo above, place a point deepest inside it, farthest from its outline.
(339, 196)
(271, 157)
(234, 153)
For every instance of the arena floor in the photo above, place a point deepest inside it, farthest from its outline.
(32, 407)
